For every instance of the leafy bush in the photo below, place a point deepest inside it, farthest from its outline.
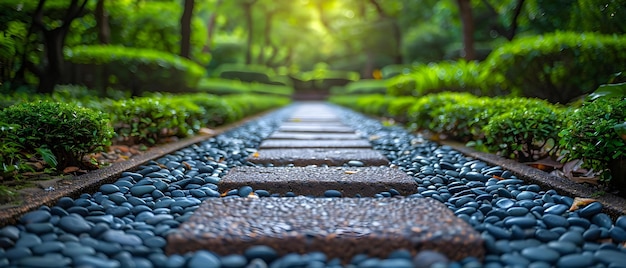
(225, 86)
(249, 73)
(460, 76)
(398, 108)
(420, 116)
(558, 67)
(67, 130)
(149, 119)
(135, 68)
(527, 132)
(368, 86)
(592, 134)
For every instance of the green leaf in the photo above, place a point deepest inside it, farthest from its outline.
(609, 91)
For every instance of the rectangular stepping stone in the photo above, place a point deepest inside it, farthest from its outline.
(313, 136)
(314, 181)
(315, 128)
(339, 227)
(317, 156)
(313, 119)
(277, 144)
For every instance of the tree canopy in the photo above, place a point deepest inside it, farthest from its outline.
(287, 35)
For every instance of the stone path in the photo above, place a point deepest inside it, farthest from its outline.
(311, 153)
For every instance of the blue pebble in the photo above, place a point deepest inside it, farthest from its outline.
(522, 222)
(575, 261)
(553, 221)
(617, 234)
(590, 210)
(332, 193)
(244, 191)
(557, 209)
(602, 220)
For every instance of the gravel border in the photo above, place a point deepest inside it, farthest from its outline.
(614, 206)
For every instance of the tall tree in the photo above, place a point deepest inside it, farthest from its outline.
(247, 8)
(185, 29)
(54, 39)
(102, 22)
(467, 20)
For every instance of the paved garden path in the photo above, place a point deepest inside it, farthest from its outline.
(335, 174)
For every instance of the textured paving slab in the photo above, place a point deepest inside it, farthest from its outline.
(277, 144)
(313, 136)
(313, 119)
(307, 156)
(339, 227)
(312, 128)
(314, 181)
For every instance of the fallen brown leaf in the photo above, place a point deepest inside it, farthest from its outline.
(581, 202)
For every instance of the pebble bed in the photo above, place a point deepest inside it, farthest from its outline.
(126, 223)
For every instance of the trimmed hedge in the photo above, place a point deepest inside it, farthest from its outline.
(225, 86)
(366, 86)
(250, 74)
(459, 76)
(558, 67)
(591, 133)
(500, 123)
(67, 130)
(132, 68)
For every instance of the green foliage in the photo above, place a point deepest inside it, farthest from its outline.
(558, 67)
(226, 86)
(67, 130)
(592, 134)
(398, 108)
(366, 86)
(426, 43)
(527, 132)
(249, 73)
(135, 68)
(420, 116)
(152, 119)
(460, 76)
(11, 155)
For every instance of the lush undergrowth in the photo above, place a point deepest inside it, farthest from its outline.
(62, 128)
(525, 129)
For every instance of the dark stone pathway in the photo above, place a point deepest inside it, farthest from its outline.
(324, 154)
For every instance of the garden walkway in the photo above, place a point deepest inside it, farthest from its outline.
(314, 154)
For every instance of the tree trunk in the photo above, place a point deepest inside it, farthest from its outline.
(211, 29)
(465, 9)
(185, 29)
(54, 40)
(249, 24)
(102, 20)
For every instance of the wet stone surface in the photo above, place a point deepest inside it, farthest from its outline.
(314, 181)
(319, 157)
(338, 227)
(312, 136)
(278, 144)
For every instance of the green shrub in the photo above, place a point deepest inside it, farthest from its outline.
(67, 130)
(148, 119)
(367, 86)
(592, 134)
(249, 73)
(558, 67)
(420, 116)
(527, 132)
(398, 108)
(460, 76)
(11, 151)
(132, 68)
